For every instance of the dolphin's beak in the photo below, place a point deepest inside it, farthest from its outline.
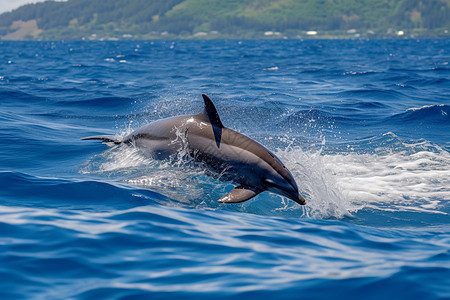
(300, 200)
(295, 195)
(290, 191)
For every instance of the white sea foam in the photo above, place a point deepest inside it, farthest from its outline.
(424, 107)
(179, 184)
(338, 184)
(115, 159)
(319, 185)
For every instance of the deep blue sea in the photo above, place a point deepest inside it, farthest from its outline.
(363, 125)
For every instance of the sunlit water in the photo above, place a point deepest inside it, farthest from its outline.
(363, 126)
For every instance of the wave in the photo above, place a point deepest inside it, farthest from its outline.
(24, 190)
(431, 122)
(15, 96)
(201, 253)
(430, 113)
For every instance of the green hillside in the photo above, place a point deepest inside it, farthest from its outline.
(144, 19)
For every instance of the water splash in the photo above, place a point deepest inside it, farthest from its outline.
(412, 178)
(324, 197)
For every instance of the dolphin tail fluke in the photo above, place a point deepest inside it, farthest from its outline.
(240, 194)
(105, 138)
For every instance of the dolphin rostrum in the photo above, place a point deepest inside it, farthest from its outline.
(224, 151)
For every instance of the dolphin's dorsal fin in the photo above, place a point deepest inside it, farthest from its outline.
(210, 112)
(240, 194)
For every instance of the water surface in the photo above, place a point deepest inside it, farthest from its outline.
(363, 126)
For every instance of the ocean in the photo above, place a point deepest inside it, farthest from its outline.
(363, 126)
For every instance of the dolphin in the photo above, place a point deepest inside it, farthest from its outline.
(223, 151)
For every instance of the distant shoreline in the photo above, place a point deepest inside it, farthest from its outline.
(250, 36)
(194, 20)
(228, 38)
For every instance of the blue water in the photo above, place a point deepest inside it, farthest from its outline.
(364, 127)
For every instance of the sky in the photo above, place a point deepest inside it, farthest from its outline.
(8, 5)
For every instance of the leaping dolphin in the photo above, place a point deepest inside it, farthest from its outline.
(234, 156)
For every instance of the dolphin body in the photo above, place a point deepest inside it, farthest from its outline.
(234, 156)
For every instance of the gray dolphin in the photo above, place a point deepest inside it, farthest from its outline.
(224, 151)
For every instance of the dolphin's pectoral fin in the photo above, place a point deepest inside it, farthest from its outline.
(240, 194)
